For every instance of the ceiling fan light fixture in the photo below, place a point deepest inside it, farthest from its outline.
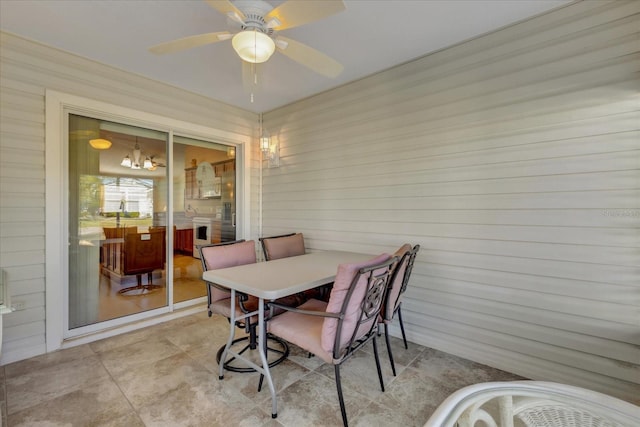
(100, 143)
(253, 46)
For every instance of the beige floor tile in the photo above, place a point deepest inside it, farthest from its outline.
(142, 353)
(401, 356)
(313, 401)
(99, 404)
(157, 381)
(200, 337)
(359, 372)
(47, 360)
(41, 385)
(376, 415)
(167, 375)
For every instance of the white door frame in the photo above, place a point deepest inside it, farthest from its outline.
(56, 231)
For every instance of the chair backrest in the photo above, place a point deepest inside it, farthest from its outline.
(113, 248)
(144, 252)
(283, 246)
(118, 232)
(399, 280)
(357, 294)
(223, 255)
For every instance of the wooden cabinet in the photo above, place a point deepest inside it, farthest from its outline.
(191, 190)
(183, 241)
(216, 233)
(227, 166)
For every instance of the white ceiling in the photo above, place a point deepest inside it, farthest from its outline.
(369, 36)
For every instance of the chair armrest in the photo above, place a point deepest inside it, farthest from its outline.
(242, 297)
(220, 287)
(308, 312)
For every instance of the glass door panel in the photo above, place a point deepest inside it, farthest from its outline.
(203, 208)
(117, 249)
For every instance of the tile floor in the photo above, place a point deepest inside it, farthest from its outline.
(166, 375)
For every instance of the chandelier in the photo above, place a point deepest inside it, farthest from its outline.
(134, 161)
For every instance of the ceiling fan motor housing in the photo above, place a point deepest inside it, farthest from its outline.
(255, 11)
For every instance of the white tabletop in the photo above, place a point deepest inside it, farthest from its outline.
(286, 276)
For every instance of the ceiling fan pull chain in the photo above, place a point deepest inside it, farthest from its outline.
(254, 68)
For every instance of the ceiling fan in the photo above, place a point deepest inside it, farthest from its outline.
(258, 37)
(156, 164)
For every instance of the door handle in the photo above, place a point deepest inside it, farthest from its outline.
(233, 219)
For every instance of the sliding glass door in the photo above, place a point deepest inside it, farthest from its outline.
(132, 248)
(117, 253)
(203, 208)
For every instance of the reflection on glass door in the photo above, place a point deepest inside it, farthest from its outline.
(120, 220)
(117, 250)
(203, 208)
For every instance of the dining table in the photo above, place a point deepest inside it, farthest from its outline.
(269, 281)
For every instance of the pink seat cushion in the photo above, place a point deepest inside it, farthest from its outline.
(223, 307)
(283, 247)
(344, 277)
(302, 330)
(394, 287)
(224, 256)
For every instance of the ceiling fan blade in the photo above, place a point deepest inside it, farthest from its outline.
(309, 57)
(294, 13)
(226, 8)
(189, 42)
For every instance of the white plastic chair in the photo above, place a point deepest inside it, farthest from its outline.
(532, 404)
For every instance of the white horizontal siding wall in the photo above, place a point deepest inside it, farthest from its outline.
(514, 161)
(28, 69)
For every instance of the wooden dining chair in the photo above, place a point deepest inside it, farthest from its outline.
(142, 253)
(406, 256)
(334, 330)
(231, 254)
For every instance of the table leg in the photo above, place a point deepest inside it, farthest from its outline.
(232, 334)
(262, 344)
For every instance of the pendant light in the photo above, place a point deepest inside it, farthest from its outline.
(100, 143)
(134, 161)
(126, 162)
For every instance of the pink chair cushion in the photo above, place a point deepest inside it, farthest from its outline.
(394, 288)
(223, 307)
(344, 277)
(224, 256)
(302, 330)
(283, 247)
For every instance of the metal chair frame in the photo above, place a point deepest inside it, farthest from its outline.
(408, 258)
(248, 326)
(370, 306)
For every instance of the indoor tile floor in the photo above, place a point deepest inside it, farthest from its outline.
(187, 281)
(166, 375)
